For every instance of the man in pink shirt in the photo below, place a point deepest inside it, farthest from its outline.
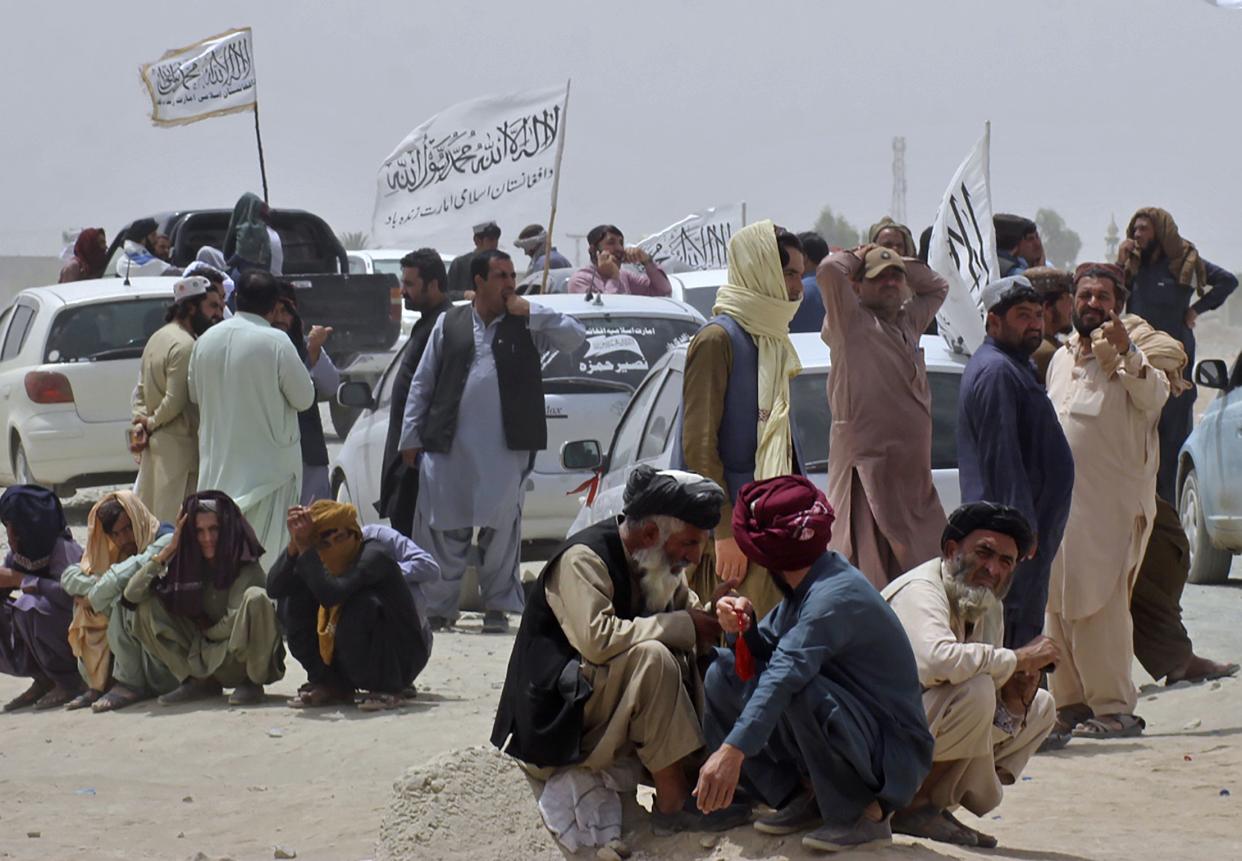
(606, 246)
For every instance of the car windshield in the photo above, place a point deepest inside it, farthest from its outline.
(118, 329)
(618, 352)
(386, 266)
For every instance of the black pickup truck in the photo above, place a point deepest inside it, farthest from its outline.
(364, 311)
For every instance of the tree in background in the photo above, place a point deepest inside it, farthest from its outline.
(836, 230)
(1061, 245)
(354, 240)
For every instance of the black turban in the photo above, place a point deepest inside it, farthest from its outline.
(993, 517)
(686, 496)
(141, 229)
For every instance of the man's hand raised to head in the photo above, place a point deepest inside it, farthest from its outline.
(607, 265)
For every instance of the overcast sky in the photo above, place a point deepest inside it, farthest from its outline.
(1097, 107)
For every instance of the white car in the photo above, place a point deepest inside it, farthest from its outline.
(698, 288)
(584, 395)
(645, 434)
(69, 359)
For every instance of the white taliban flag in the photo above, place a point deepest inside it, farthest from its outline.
(210, 78)
(490, 159)
(698, 241)
(963, 249)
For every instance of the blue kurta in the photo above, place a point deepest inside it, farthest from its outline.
(837, 697)
(1011, 450)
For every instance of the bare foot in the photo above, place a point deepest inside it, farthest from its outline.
(1199, 669)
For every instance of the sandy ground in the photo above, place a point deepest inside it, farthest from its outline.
(169, 783)
(212, 782)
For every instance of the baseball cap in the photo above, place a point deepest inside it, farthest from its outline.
(878, 259)
(1008, 291)
(187, 288)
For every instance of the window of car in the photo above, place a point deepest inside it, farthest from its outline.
(619, 350)
(630, 431)
(4, 321)
(944, 390)
(702, 299)
(811, 419)
(357, 266)
(663, 413)
(116, 329)
(386, 267)
(1236, 380)
(19, 328)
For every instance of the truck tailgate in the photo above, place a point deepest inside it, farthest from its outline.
(364, 311)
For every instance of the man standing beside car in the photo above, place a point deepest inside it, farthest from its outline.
(475, 411)
(165, 421)
(735, 419)
(423, 283)
(879, 474)
(460, 282)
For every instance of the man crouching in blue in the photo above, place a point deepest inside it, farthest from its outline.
(820, 714)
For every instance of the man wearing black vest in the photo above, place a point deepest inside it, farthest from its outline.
(473, 421)
(422, 288)
(603, 667)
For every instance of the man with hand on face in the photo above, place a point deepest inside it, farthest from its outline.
(606, 245)
(603, 667)
(475, 412)
(315, 483)
(819, 713)
(735, 422)
(1108, 396)
(1010, 446)
(983, 701)
(422, 290)
(879, 475)
(166, 422)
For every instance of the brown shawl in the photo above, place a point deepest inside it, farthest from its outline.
(1184, 261)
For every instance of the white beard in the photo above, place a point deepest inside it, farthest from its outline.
(657, 579)
(968, 603)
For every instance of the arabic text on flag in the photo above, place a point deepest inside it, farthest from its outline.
(207, 79)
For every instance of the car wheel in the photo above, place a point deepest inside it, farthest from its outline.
(343, 418)
(21, 465)
(1208, 563)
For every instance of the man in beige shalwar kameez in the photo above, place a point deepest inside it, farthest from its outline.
(603, 667)
(984, 705)
(167, 421)
(1108, 397)
(879, 452)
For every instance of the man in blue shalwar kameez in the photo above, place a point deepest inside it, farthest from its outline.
(1011, 448)
(831, 729)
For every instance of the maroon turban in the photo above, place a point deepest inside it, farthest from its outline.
(782, 523)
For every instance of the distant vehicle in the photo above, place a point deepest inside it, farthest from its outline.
(645, 433)
(698, 288)
(1209, 476)
(584, 395)
(69, 360)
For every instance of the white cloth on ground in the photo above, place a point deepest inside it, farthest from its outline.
(583, 807)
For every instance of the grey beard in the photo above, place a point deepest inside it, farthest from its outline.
(968, 603)
(658, 580)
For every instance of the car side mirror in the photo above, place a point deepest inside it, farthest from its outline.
(580, 455)
(1212, 374)
(355, 394)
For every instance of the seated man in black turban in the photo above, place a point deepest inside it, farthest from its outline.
(983, 701)
(603, 667)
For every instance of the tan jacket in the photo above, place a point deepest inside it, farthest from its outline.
(944, 652)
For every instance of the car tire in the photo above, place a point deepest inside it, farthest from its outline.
(1208, 563)
(21, 465)
(343, 418)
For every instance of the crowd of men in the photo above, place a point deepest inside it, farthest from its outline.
(857, 661)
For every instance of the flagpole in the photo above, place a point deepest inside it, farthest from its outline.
(556, 187)
(259, 140)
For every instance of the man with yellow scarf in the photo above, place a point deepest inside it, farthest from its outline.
(352, 621)
(735, 414)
